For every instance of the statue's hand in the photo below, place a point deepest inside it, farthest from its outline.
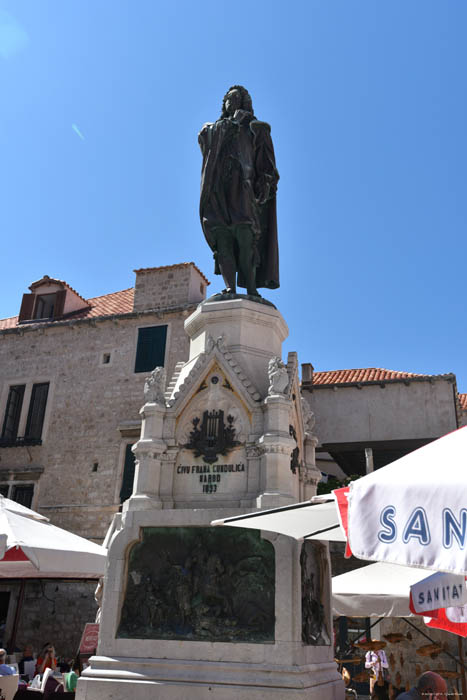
(262, 193)
(263, 189)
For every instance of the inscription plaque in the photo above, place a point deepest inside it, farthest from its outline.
(194, 477)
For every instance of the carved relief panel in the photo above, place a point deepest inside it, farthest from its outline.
(315, 594)
(200, 583)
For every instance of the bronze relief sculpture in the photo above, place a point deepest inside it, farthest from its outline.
(238, 196)
(200, 584)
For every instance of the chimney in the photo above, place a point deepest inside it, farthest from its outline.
(307, 373)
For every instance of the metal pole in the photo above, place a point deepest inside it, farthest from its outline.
(460, 649)
(19, 605)
(359, 636)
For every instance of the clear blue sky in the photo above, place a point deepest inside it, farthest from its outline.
(101, 103)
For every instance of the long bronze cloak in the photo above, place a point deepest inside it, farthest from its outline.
(238, 186)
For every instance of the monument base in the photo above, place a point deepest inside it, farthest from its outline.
(195, 611)
(167, 679)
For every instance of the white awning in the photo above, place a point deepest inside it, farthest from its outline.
(376, 590)
(31, 547)
(316, 519)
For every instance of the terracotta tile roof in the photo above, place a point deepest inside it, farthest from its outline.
(463, 401)
(109, 304)
(47, 280)
(367, 374)
(172, 267)
(106, 305)
(8, 323)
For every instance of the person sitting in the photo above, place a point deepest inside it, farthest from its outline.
(27, 656)
(4, 669)
(72, 677)
(46, 659)
(429, 685)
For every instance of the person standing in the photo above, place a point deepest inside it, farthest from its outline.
(377, 662)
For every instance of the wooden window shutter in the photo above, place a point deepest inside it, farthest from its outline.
(59, 303)
(13, 412)
(36, 412)
(128, 474)
(27, 306)
(150, 352)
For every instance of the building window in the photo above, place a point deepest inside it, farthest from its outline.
(44, 307)
(37, 411)
(35, 417)
(150, 351)
(13, 412)
(128, 474)
(21, 493)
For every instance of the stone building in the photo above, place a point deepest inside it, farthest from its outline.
(368, 418)
(71, 387)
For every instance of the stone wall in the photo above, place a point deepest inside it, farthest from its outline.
(52, 611)
(162, 287)
(389, 411)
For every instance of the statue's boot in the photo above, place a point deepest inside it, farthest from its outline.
(229, 274)
(249, 270)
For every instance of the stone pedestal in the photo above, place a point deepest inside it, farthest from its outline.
(200, 612)
(253, 333)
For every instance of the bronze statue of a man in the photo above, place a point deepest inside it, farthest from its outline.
(238, 195)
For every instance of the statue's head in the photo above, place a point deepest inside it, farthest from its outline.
(236, 97)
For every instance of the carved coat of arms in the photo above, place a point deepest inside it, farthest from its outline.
(212, 436)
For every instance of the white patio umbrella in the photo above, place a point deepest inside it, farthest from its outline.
(375, 590)
(31, 547)
(414, 511)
